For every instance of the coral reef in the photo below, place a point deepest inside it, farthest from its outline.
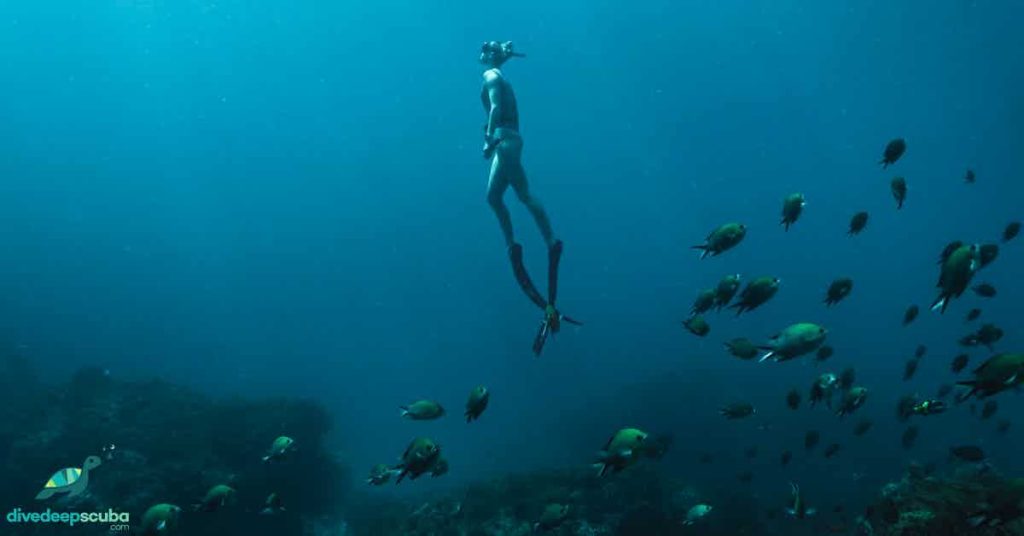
(173, 444)
(973, 501)
(636, 502)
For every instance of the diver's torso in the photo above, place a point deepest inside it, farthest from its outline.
(509, 117)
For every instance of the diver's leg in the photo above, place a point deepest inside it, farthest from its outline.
(517, 178)
(496, 187)
(497, 183)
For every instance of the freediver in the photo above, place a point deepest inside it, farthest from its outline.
(503, 146)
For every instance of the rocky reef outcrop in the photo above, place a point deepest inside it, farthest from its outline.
(171, 445)
(971, 501)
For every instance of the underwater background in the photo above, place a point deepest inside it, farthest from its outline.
(286, 201)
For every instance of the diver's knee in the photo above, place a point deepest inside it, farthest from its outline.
(529, 200)
(495, 201)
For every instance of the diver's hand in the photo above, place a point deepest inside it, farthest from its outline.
(490, 144)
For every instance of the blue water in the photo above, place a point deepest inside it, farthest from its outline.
(266, 198)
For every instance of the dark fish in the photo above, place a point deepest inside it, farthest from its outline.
(857, 223)
(987, 335)
(746, 477)
(811, 439)
(957, 269)
(909, 437)
(832, 450)
(838, 290)
(786, 457)
(739, 410)
(969, 176)
(1011, 231)
(973, 315)
(822, 389)
(756, 293)
(960, 363)
(722, 239)
(792, 207)
(910, 315)
(921, 350)
(989, 409)
(742, 348)
(967, 453)
(905, 407)
(847, 378)
(910, 369)
(862, 427)
(793, 399)
(726, 290)
(893, 151)
(985, 290)
(988, 253)
(697, 325)
(899, 191)
(704, 302)
(751, 452)
(824, 353)
(1003, 427)
(944, 391)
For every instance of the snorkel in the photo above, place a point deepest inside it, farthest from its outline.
(495, 53)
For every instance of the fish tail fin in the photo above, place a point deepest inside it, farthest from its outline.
(940, 304)
(974, 389)
(768, 355)
(266, 459)
(703, 250)
(403, 411)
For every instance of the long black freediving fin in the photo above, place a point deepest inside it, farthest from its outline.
(542, 337)
(515, 254)
(554, 258)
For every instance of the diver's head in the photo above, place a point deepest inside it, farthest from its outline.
(495, 54)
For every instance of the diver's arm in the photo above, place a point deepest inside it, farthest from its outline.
(492, 82)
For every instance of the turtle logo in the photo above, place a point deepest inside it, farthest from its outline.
(70, 480)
